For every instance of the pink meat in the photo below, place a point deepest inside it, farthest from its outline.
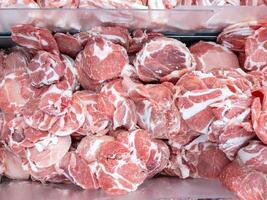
(155, 107)
(5, 118)
(68, 44)
(21, 135)
(248, 184)
(254, 156)
(234, 36)
(58, 3)
(232, 126)
(112, 4)
(15, 61)
(256, 47)
(18, 4)
(71, 121)
(259, 113)
(199, 154)
(34, 38)
(101, 60)
(45, 69)
(162, 4)
(194, 107)
(89, 146)
(56, 100)
(12, 165)
(16, 91)
(160, 57)
(208, 57)
(96, 121)
(78, 171)
(117, 106)
(48, 151)
(115, 34)
(70, 73)
(118, 174)
(139, 38)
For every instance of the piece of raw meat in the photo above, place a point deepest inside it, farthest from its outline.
(253, 2)
(18, 4)
(254, 156)
(16, 61)
(68, 44)
(139, 38)
(259, 113)
(78, 171)
(89, 146)
(56, 100)
(96, 122)
(116, 34)
(34, 38)
(162, 4)
(256, 51)
(45, 69)
(194, 160)
(194, 107)
(71, 121)
(120, 109)
(5, 118)
(232, 126)
(160, 57)
(117, 173)
(16, 91)
(208, 56)
(48, 151)
(112, 4)
(155, 108)
(234, 36)
(216, 2)
(247, 183)
(70, 73)
(58, 3)
(147, 152)
(11, 165)
(101, 60)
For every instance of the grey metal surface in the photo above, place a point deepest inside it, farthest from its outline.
(166, 188)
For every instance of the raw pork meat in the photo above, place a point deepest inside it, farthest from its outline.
(208, 56)
(11, 165)
(118, 173)
(34, 38)
(101, 60)
(160, 57)
(162, 4)
(256, 51)
(232, 126)
(112, 4)
(78, 171)
(114, 102)
(115, 34)
(194, 160)
(68, 44)
(259, 113)
(254, 156)
(45, 69)
(89, 146)
(194, 107)
(234, 36)
(247, 183)
(58, 3)
(16, 91)
(18, 4)
(96, 122)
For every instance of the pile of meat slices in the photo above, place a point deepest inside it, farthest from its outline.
(125, 4)
(109, 109)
